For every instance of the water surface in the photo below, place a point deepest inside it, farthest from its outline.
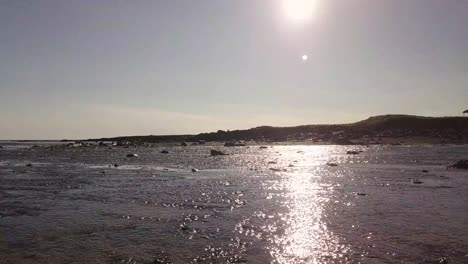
(282, 204)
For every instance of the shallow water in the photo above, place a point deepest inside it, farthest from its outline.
(277, 205)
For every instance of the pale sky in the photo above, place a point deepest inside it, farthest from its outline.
(94, 68)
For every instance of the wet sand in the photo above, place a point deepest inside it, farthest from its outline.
(282, 204)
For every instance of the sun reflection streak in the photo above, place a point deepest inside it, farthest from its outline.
(306, 238)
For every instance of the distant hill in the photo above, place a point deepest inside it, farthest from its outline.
(412, 122)
(372, 130)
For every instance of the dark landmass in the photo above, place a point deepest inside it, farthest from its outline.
(385, 129)
(148, 139)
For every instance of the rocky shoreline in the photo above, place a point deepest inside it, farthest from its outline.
(389, 129)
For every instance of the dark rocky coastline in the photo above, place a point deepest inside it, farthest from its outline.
(387, 129)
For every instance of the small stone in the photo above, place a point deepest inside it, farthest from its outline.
(233, 144)
(217, 153)
(184, 227)
(416, 181)
(461, 164)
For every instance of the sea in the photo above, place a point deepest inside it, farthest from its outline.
(287, 203)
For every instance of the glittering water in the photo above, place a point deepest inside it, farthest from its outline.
(282, 204)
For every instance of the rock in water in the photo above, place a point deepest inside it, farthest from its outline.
(132, 155)
(217, 153)
(263, 147)
(231, 144)
(332, 164)
(461, 164)
(416, 181)
(194, 170)
(184, 144)
(352, 152)
(165, 152)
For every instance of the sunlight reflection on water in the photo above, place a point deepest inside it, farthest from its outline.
(306, 238)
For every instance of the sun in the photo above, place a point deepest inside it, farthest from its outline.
(300, 10)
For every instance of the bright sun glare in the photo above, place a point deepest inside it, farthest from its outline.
(300, 10)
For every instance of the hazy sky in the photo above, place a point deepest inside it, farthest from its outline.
(91, 68)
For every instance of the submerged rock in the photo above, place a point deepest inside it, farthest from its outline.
(332, 164)
(184, 144)
(194, 170)
(352, 152)
(362, 194)
(444, 260)
(461, 164)
(263, 147)
(132, 155)
(29, 165)
(425, 171)
(184, 227)
(217, 153)
(232, 144)
(416, 181)
(164, 152)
